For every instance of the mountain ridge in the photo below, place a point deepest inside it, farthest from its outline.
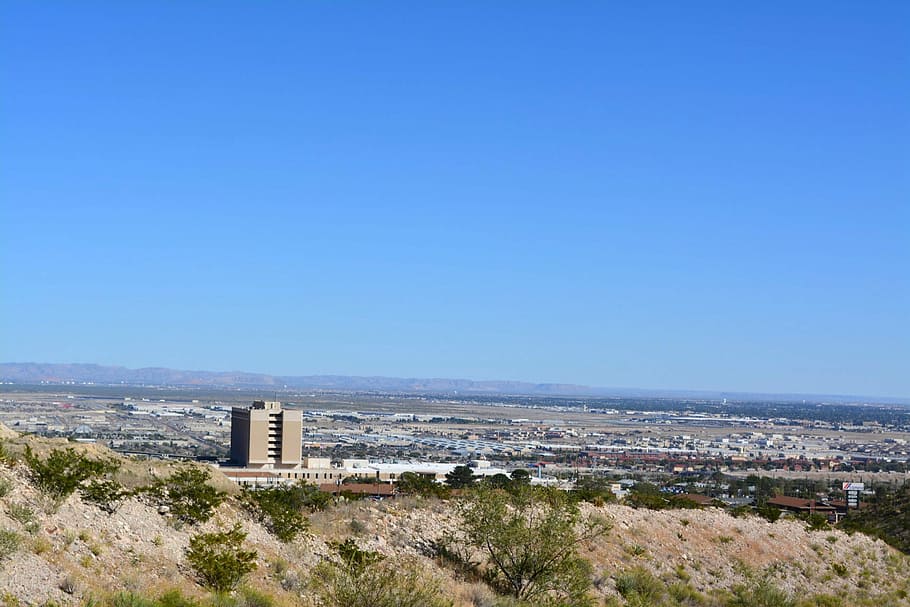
(31, 372)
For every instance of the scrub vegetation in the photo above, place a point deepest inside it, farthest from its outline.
(495, 542)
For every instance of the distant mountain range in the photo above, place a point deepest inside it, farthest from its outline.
(33, 373)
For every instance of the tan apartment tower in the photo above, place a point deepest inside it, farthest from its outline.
(266, 436)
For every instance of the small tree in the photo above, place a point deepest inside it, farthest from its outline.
(593, 489)
(107, 494)
(769, 513)
(64, 470)
(187, 494)
(521, 476)
(530, 539)
(219, 560)
(498, 481)
(411, 483)
(460, 477)
(280, 509)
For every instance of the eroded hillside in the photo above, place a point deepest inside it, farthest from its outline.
(72, 552)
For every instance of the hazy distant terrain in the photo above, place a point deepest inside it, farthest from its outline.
(159, 376)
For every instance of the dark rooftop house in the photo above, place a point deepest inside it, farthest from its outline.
(798, 504)
(698, 498)
(377, 489)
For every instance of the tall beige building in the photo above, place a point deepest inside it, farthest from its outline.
(266, 436)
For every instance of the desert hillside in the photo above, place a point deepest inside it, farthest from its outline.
(72, 551)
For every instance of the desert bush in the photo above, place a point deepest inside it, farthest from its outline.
(634, 549)
(129, 599)
(530, 538)
(174, 598)
(6, 486)
(219, 560)
(361, 578)
(651, 501)
(64, 470)
(169, 598)
(760, 593)
(684, 594)
(23, 514)
(769, 513)
(411, 483)
(7, 457)
(106, 494)
(248, 597)
(639, 587)
(40, 545)
(9, 543)
(823, 600)
(648, 495)
(816, 522)
(187, 494)
(280, 509)
(592, 489)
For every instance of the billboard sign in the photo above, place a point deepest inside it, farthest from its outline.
(854, 486)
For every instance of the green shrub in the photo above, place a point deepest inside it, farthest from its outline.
(760, 593)
(530, 538)
(635, 549)
(822, 600)
(651, 501)
(9, 543)
(591, 489)
(21, 513)
(106, 494)
(639, 586)
(461, 477)
(219, 560)
(7, 457)
(64, 470)
(129, 599)
(187, 494)
(6, 486)
(816, 522)
(361, 578)
(280, 508)
(173, 598)
(253, 598)
(684, 594)
(769, 513)
(411, 483)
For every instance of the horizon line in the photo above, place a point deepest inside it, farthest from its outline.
(578, 389)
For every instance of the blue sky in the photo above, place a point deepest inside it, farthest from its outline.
(661, 195)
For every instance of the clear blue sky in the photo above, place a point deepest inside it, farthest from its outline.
(659, 194)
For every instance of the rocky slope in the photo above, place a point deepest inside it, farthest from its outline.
(71, 551)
